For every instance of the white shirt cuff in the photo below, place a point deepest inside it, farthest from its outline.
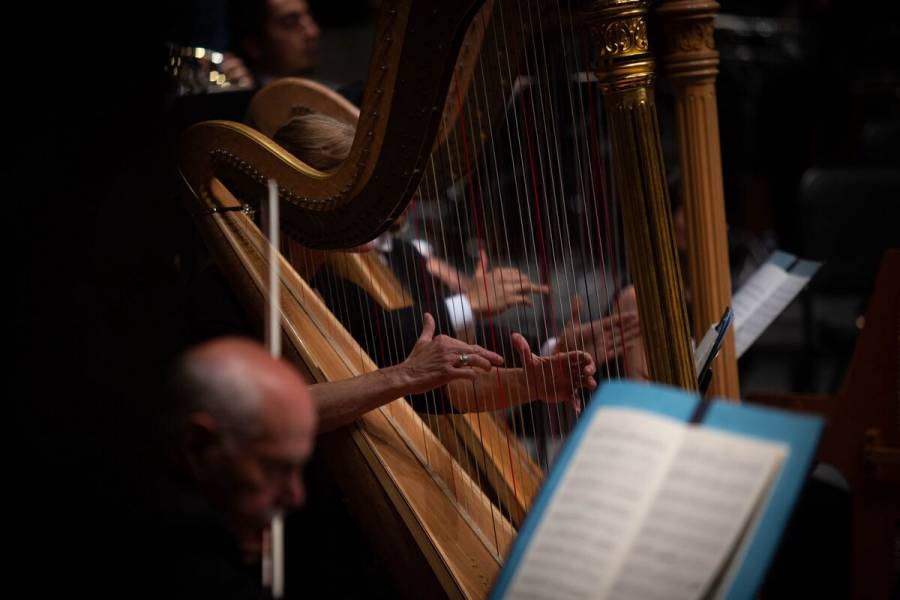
(423, 247)
(460, 311)
(549, 347)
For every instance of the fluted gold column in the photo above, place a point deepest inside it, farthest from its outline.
(625, 70)
(691, 61)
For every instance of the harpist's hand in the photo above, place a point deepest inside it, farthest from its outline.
(448, 275)
(435, 361)
(555, 378)
(491, 292)
(604, 338)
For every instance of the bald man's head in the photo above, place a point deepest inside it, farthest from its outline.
(230, 378)
(243, 425)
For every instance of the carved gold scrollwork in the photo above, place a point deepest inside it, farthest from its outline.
(623, 36)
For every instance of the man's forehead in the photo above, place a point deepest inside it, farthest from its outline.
(279, 8)
(294, 446)
(289, 418)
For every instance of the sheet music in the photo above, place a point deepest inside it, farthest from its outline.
(765, 295)
(597, 506)
(702, 349)
(696, 518)
(648, 508)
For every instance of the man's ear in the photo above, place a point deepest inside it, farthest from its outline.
(201, 442)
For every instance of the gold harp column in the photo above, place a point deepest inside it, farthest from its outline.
(625, 71)
(691, 62)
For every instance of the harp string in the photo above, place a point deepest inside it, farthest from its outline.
(564, 266)
(603, 162)
(430, 192)
(430, 399)
(461, 181)
(528, 189)
(455, 183)
(415, 277)
(475, 182)
(535, 171)
(455, 156)
(397, 331)
(503, 242)
(549, 167)
(531, 253)
(577, 123)
(468, 391)
(513, 130)
(344, 299)
(470, 180)
(588, 132)
(392, 336)
(473, 177)
(586, 181)
(600, 200)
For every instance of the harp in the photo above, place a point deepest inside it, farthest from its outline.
(488, 450)
(435, 520)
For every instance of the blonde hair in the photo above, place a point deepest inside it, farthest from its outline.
(318, 140)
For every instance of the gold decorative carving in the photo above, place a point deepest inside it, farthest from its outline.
(622, 37)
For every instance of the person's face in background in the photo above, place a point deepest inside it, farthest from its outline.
(251, 476)
(290, 38)
(266, 472)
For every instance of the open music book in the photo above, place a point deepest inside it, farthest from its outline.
(766, 294)
(642, 504)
